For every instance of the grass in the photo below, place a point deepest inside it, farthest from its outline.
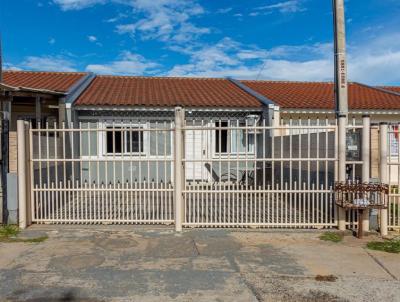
(9, 233)
(389, 246)
(331, 236)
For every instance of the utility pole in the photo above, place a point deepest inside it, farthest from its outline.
(340, 58)
(341, 95)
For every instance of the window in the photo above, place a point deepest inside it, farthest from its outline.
(134, 141)
(394, 140)
(233, 141)
(221, 138)
(120, 140)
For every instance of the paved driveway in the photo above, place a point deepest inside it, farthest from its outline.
(109, 263)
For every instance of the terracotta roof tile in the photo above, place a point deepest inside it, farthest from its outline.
(56, 81)
(320, 95)
(157, 91)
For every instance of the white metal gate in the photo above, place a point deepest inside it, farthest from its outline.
(262, 176)
(102, 173)
(234, 173)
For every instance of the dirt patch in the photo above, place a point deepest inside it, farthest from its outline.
(326, 278)
(76, 262)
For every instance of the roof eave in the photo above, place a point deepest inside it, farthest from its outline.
(10, 88)
(332, 111)
(164, 108)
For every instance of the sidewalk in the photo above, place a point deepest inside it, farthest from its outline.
(111, 263)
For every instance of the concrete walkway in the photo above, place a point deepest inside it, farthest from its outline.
(109, 263)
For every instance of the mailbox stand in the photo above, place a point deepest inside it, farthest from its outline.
(361, 196)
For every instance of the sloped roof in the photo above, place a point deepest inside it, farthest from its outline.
(54, 81)
(320, 95)
(164, 92)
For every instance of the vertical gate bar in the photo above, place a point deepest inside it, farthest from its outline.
(263, 143)
(366, 146)
(22, 219)
(383, 132)
(46, 205)
(179, 117)
(165, 193)
(64, 180)
(148, 195)
(34, 201)
(53, 202)
(342, 120)
(48, 159)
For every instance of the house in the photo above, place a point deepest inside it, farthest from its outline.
(113, 101)
(268, 147)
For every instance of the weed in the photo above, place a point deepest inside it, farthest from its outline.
(7, 231)
(390, 246)
(331, 236)
(35, 240)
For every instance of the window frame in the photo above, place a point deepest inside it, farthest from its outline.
(125, 129)
(232, 141)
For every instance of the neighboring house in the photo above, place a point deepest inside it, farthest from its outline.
(37, 97)
(315, 100)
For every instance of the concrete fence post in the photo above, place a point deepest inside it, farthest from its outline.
(178, 168)
(342, 121)
(21, 169)
(383, 168)
(365, 155)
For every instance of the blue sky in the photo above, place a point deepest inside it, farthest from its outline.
(264, 39)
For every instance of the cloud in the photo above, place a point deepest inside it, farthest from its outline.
(165, 20)
(127, 64)
(9, 66)
(116, 18)
(375, 61)
(233, 59)
(291, 6)
(47, 63)
(77, 4)
(92, 38)
(224, 10)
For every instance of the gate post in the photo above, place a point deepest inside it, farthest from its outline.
(383, 168)
(21, 168)
(365, 152)
(342, 121)
(178, 168)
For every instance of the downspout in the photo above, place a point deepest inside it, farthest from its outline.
(66, 112)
